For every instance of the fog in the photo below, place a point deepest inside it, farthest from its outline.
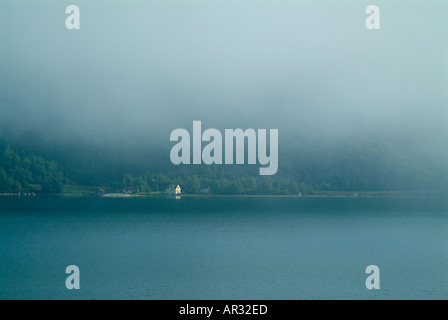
(136, 70)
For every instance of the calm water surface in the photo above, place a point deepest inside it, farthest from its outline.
(224, 248)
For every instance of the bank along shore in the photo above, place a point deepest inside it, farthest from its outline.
(316, 194)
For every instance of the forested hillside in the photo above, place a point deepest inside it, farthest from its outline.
(20, 170)
(373, 166)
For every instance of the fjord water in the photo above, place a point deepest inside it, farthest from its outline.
(224, 248)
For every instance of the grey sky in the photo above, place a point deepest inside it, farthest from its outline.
(144, 68)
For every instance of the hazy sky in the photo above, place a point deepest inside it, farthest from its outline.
(139, 69)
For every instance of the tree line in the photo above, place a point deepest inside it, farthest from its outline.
(363, 166)
(21, 171)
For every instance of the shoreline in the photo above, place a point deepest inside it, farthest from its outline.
(323, 194)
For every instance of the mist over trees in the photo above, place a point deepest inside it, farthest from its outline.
(355, 109)
(363, 165)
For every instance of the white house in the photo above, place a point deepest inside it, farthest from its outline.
(173, 189)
